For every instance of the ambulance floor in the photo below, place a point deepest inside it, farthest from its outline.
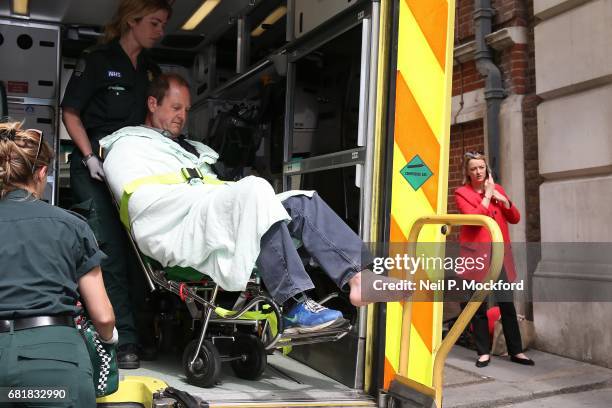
(284, 381)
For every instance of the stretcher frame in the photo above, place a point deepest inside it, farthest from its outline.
(250, 361)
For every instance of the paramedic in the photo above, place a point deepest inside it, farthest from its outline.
(106, 92)
(49, 259)
(338, 250)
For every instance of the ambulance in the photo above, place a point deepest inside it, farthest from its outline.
(347, 97)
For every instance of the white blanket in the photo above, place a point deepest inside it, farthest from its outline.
(215, 229)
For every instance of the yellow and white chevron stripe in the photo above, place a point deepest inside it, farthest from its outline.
(422, 127)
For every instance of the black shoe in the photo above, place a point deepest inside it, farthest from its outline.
(127, 356)
(484, 363)
(523, 361)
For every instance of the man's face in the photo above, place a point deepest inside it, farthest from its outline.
(171, 114)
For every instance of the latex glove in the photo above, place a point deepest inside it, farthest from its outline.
(112, 340)
(94, 165)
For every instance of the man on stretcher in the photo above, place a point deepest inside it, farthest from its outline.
(189, 218)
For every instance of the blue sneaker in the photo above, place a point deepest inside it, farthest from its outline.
(309, 316)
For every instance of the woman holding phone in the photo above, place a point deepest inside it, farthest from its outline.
(480, 195)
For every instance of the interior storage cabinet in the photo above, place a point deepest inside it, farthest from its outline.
(30, 73)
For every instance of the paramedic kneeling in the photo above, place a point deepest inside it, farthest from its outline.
(49, 259)
(253, 222)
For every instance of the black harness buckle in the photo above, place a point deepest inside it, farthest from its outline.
(191, 173)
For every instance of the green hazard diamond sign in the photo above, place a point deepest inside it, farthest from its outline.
(416, 172)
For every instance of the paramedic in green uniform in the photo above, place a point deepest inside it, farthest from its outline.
(106, 92)
(49, 259)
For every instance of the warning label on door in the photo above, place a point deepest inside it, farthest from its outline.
(416, 172)
(17, 87)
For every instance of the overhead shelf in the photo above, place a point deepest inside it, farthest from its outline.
(235, 87)
(335, 160)
(229, 89)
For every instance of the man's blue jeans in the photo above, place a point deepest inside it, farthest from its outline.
(332, 244)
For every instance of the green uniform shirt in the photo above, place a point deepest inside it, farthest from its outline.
(107, 91)
(44, 250)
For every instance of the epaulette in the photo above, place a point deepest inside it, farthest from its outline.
(76, 214)
(82, 62)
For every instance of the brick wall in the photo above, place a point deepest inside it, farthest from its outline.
(507, 13)
(513, 65)
(466, 78)
(464, 137)
(517, 65)
(464, 20)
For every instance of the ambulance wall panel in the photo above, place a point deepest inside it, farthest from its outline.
(309, 14)
(30, 59)
(66, 70)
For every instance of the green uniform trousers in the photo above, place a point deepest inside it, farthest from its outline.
(47, 357)
(124, 282)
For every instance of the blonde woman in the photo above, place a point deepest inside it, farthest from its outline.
(107, 91)
(49, 260)
(480, 195)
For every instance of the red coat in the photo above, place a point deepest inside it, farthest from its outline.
(469, 202)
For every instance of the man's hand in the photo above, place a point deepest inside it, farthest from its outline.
(94, 165)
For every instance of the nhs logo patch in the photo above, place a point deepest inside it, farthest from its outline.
(114, 74)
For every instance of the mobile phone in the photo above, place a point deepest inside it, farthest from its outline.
(488, 172)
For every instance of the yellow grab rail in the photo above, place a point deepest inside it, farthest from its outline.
(497, 257)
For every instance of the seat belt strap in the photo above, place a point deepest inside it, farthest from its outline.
(185, 175)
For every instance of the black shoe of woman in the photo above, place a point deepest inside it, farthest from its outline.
(523, 361)
(483, 363)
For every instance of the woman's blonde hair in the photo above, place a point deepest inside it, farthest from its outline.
(129, 10)
(18, 155)
(467, 156)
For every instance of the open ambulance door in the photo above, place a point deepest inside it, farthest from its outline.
(406, 354)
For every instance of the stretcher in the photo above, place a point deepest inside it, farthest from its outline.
(253, 326)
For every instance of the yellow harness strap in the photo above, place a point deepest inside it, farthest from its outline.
(185, 175)
(256, 315)
(251, 315)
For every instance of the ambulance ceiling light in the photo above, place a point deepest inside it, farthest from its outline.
(200, 14)
(20, 7)
(270, 20)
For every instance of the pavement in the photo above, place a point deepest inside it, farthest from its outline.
(554, 381)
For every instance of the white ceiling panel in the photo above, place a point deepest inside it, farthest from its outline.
(99, 12)
(81, 12)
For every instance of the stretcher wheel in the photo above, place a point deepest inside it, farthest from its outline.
(207, 367)
(254, 357)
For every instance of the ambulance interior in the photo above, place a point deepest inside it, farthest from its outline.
(280, 88)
